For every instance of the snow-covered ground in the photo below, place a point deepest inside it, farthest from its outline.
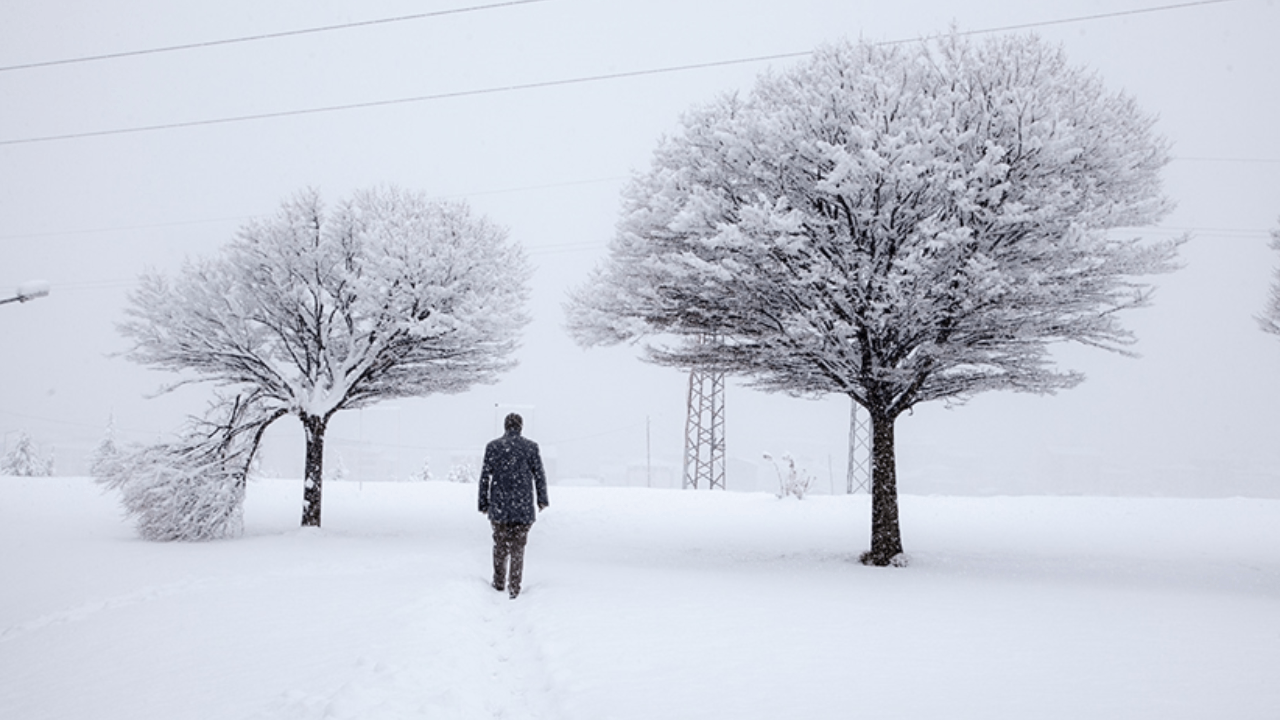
(641, 604)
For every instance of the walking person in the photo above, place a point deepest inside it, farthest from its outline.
(511, 481)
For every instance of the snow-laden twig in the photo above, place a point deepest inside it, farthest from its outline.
(793, 481)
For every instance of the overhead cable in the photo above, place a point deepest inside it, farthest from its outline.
(263, 36)
(1098, 16)
(548, 83)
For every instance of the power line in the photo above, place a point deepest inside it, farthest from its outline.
(242, 218)
(264, 36)
(1098, 16)
(1268, 161)
(399, 101)
(523, 188)
(73, 423)
(564, 82)
(152, 226)
(1242, 233)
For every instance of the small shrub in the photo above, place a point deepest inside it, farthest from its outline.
(467, 471)
(423, 475)
(791, 480)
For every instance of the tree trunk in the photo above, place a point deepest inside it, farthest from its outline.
(314, 473)
(886, 537)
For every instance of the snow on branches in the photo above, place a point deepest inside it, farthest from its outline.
(897, 223)
(191, 488)
(391, 295)
(315, 311)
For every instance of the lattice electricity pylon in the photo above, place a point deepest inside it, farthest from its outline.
(704, 431)
(859, 473)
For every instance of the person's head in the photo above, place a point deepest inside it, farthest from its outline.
(513, 423)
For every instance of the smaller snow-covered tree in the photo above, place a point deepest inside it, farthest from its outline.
(423, 475)
(1270, 318)
(315, 311)
(26, 460)
(106, 449)
(792, 480)
(191, 488)
(338, 471)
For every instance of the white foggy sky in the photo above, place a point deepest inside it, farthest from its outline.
(1195, 415)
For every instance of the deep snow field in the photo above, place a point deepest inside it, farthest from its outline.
(653, 604)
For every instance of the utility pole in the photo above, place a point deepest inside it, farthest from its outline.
(858, 476)
(704, 430)
(648, 454)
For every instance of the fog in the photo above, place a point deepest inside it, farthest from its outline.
(1194, 415)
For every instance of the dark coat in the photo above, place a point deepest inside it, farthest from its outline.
(512, 471)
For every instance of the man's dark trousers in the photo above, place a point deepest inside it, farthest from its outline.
(508, 544)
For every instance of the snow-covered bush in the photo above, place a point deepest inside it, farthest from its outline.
(792, 480)
(466, 471)
(26, 460)
(191, 488)
(337, 471)
(423, 475)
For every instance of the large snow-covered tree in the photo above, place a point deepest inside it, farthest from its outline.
(314, 311)
(896, 223)
(1270, 318)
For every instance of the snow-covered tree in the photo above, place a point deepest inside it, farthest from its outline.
(337, 472)
(106, 449)
(311, 312)
(896, 223)
(24, 459)
(423, 475)
(191, 488)
(1270, 318)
